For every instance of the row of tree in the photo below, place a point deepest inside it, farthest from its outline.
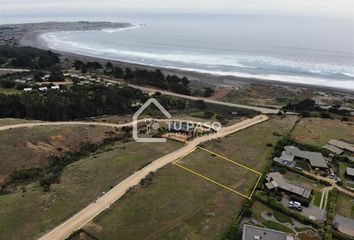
(153, 78)
(27, 57)
(78, 102)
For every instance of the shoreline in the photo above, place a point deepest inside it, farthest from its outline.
(33, 39)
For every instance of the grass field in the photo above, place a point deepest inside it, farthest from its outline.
(24, 215)
(10, 121)
(222, 171)
(30, 147)
(317, 195)
(345, 205)
(9, 91)
(179, 205)
(317, 131)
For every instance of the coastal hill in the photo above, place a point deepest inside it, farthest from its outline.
(14, 34)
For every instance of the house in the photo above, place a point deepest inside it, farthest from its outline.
(291, 153)
(43, 89)
(20, 81)
(276, 181)
(349, 173)
(27, 90)
(250, 232)
(46, 77)
(346, 146)
(333, 149)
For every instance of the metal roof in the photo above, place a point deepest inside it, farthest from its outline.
(350, 171)
(285, 185)
(255, 233)
(342, 144)
(315, 158)
(333, 149)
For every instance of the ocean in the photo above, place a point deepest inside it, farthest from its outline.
(306, 50)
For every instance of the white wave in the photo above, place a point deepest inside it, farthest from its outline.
(249, 66)
(112, 30)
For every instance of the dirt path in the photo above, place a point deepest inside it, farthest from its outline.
(106, 124)
(221, 93)
(87, 214)
(333, 184)
(324, 198)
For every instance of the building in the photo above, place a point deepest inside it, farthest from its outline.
(291, 153)
(333, 149)
(55, 87)
(276, 181)
(346, 146)
(27, 90)
(43, 89)
(349, 173)
(257, 233)
(46, 77)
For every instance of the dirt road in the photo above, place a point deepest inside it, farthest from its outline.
(152, 90)
(87, 214)
(106, 124)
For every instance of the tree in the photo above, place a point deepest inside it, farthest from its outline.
(208, 92)
(78, 64)
(56, 75)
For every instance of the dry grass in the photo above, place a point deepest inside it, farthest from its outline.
(317, 131)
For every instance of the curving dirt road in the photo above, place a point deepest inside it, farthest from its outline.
(87, 214)
(106, 124)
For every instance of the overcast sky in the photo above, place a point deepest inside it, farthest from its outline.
(343, 8)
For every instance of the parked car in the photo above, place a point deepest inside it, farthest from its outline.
(295, 205)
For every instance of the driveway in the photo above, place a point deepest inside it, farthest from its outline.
(311, 210)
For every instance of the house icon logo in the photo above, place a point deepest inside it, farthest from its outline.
(150, 123)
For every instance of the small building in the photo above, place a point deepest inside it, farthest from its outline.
(276, 181)
(250, 232)
(43, 89)
(27, 90)
(46, 77)
(346, 146)
(349, 173)
(55, 87)
(332, 149)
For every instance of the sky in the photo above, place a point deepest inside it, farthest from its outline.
(329, 8)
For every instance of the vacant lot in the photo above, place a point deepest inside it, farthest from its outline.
(220, 170)
(178, 205)
(24, 215)
(318, 131)
(30, 147)
(345, 205)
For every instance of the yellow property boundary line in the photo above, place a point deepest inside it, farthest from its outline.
(216, 182)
